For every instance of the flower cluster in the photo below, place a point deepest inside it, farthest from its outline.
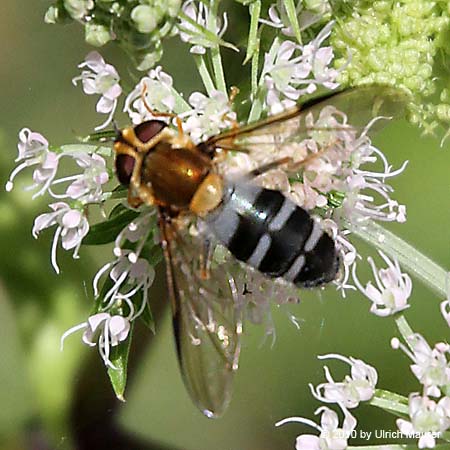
(81, 190)
(328, 176)
(291, 70)
(393, 288)
(428, 419)
(138, 27)
(398, 43)
(103, 79)
(330, 168)
(347, 394)
(308, 13)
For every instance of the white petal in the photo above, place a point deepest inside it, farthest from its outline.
(104, 105)
(72, 219)
(329, 420)
(96, 320)
(307, 442)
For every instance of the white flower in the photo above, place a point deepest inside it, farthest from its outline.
(72, 226)
(129, 272)
(201, 16)
(101, 79)
(430, 366)
(320, 59)
(86, 187)
(291, 70)
(331, 436)
(33, 151)
(358, 387)
(208, 116)
(159, 95)
(427, 418)
(365, 185)
(104, 330)
(392, 291)
(308, 13)
(347, 254)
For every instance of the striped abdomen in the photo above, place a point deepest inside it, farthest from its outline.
(269, 232)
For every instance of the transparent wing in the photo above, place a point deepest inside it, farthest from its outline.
(360, 105)
(206, 319)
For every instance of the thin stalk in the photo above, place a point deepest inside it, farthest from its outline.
(254, 72)
(218, 69)
(391, 402)
(405, 330)
(411, 259)
(292, 16)
(253, 41)
(215, 50)
(204, 74)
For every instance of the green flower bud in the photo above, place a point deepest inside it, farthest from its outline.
(150, 60)
(399, 43)
(173, 7)
(51, 16)
(96, 35)
(78, 9)
(144, 18)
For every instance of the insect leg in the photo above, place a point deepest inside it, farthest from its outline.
(165, 245)
(205, 259)
(269, 166)
(154, 113)
(133, 200)
(234, 91)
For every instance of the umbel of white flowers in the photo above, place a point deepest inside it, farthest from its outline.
(345, 169)
(349, 182)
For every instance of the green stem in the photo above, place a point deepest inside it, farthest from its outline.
(292, 16)
(391, 402)
(218, 70)
(253, 41)
(181, 105)
(204, 74)
(254, 72)
(215, 50)
(205, 33)
(256, 110)
(405, 330)
(413, 261)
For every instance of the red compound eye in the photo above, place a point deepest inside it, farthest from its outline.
(146, 130)
(124, 168)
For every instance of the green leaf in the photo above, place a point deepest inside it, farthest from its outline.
(147, 318)
(117, 210)
(119, 191)
(105, 232)
(292, 16)
(119, 358)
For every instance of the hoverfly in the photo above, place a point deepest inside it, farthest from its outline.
(260, 227)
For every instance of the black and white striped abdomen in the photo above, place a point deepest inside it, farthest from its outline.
(269, 232)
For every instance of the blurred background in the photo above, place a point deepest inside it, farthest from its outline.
(54, 400)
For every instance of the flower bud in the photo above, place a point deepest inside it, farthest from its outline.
(96, 35)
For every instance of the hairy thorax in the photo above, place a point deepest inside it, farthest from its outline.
(174, 174)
